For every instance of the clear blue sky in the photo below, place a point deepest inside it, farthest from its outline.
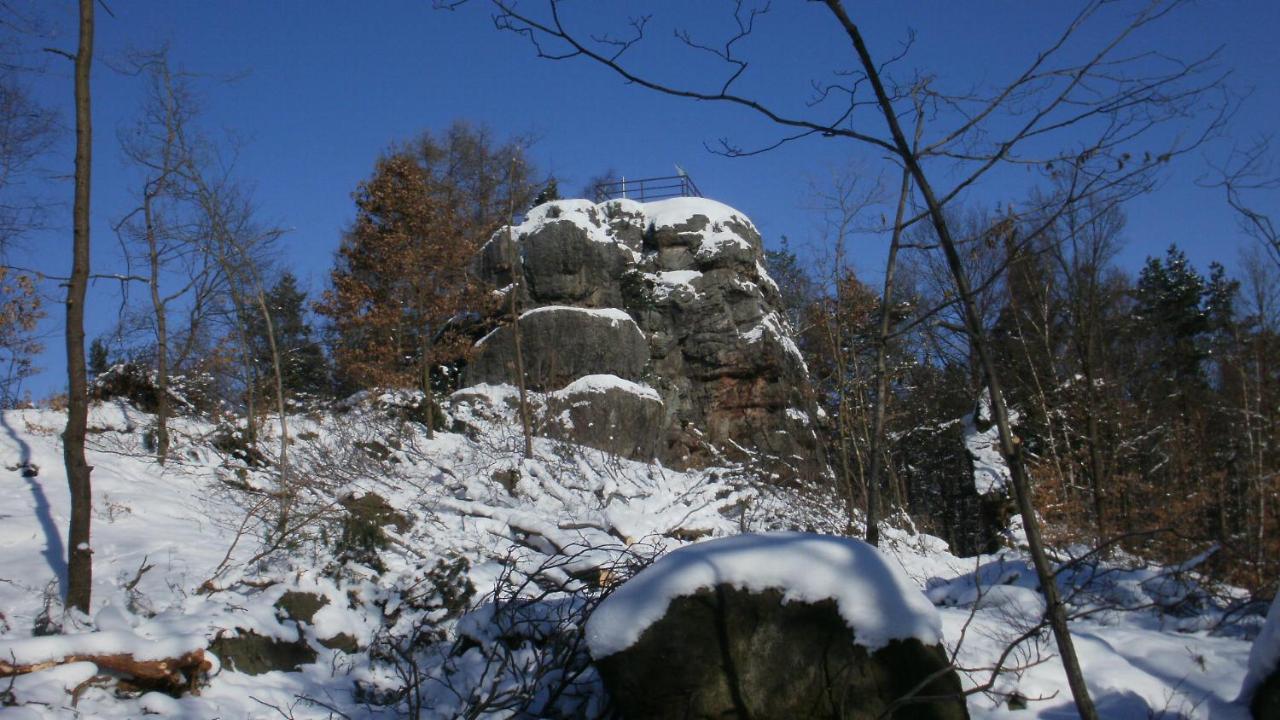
(316, 90)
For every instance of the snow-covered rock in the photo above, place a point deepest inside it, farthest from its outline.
(771, 625)
(561, 343)
(874, 598)
(991, 474)
(690, 272)
(608, 413)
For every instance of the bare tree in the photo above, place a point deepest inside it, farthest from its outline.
(1088, 240)
(1246, 176)
(26, 132)
(517, 278)
(177, 266)
(1082, 108)
(239, 246)
(834, 326)
(877, 450)
(79, 552)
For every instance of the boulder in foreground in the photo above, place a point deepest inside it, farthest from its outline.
(785, 625)
(1261, 687)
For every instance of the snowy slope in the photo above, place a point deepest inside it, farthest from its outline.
(532, 538)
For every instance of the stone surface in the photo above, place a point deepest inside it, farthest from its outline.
(729, 653)
(708, 336)
(561, 344)
(1266, 699)
(618, 421)
(301, 606)
(254, 654)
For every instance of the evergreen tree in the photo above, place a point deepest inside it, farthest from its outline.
(98, 361)
(796, 287)
(1171, 323)
(550, 193)
(303, 368)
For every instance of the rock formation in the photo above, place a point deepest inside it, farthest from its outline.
(729, 653)
(672, 299)
(773, 626)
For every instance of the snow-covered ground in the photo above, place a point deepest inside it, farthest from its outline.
(490, 560)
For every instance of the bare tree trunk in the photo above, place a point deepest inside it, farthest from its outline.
(251, 412)
(286, 482)
(517, 275)
(526, 424)
(1036, 321)
(162, 333)
(1009, 447)
(79, 553)
(843, 412)
(426, 382)
(1097, 481)
(882, 370)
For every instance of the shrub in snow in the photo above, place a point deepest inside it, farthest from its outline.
(777, 625)
(137, 385)
(362, 536)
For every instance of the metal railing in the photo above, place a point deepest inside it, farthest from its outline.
(645, 189)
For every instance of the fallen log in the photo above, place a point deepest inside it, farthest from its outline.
(173, 664)
(174, 675)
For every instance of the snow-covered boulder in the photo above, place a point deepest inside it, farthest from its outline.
(780, 625)
(562, 263)
(689, 272)
(560, 344)
(608, 413)
(1261, 687)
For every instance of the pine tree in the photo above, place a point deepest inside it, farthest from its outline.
(304, 370)
(796, 287)
(1171, 322)
(550, 193)
(98, 357)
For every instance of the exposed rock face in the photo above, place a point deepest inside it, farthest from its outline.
(561, 344)
(254, 654)
(602, 411)
(730, 653)
(1266, 700)
(704, 331)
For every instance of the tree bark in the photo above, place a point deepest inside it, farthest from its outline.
(79, 553)
(882, 370)
(517, 274)
(1011, 449)
(162, 333)
(286, 482)
(174, 674)
(526, 424)
(427, 395)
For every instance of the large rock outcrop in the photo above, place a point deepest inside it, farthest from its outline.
(561, 344)
(670, 295)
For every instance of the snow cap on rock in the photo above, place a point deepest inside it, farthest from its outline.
(875, 599)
